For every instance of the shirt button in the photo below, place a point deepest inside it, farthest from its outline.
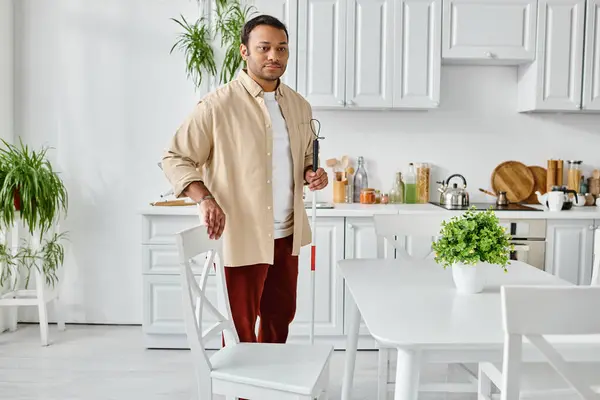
(269, 207)
(268, 154)
(268, 181)
(269, 235)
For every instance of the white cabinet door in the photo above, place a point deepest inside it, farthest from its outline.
(554, 81)
(417, 53)
(369, 56)
(287, 12)
(502, 30)
(329, 289)
(569, 250)
(322, 52)
(591, 68)
(363, 242)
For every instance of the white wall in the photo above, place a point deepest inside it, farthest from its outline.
(6, 69)
(104, 90)
(6, 88)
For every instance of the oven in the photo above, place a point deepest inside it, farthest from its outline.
(529, 240)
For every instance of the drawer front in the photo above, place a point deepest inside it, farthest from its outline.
(160, 229)
(164, 260)
(163, 304)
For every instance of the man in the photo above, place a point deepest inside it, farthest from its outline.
(244, 155)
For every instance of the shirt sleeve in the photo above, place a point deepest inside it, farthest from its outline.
(184, 160)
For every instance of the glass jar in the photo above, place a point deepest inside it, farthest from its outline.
(367, 196)
(423, 183)
(385, 199)
(574, 175)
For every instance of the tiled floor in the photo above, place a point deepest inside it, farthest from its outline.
(110, 363)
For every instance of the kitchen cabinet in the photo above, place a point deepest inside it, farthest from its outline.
(498, 31)
(287, 12)
(162, 322)
(329, 286)
(570, 249)
(363, 242)
(563, 77)
(591, 62)
(343, 63)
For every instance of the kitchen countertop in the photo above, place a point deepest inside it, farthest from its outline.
(363, 210)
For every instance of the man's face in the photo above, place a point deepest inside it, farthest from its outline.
(267, 52)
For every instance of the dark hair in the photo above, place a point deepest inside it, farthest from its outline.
(262, 20)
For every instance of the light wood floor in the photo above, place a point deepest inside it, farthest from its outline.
(110, 363)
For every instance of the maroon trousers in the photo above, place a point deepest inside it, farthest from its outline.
(265, 291)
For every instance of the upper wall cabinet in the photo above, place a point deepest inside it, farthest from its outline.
(287, 12)
(591, 62)
(489, 31)
(344, 63)
(564, 77)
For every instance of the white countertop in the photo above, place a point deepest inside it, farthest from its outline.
(363, 210)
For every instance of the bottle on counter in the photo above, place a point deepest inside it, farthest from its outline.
(396, 195)
(410, 184)
(361, 181)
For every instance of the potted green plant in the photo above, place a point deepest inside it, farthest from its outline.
(30, 186)
(468, 242)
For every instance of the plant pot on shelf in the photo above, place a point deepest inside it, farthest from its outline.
(468, 279)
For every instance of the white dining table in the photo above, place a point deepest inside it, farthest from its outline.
(412, 306)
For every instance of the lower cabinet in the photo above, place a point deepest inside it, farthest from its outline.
(570, 249)
(569, 255)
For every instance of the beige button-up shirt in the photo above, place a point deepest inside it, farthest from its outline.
(227, 142)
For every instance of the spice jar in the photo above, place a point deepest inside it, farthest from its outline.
(385, 198)
(367, 196)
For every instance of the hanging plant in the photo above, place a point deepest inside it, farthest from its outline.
(231, 18)
(195, 42)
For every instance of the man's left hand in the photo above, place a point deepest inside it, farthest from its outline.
(317, 180)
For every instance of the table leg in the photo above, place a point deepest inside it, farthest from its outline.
(351, 345)
(407, 375)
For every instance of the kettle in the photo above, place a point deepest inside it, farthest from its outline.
(453, 197)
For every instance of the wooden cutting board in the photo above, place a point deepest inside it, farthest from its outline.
(514, 178)
(539, 176)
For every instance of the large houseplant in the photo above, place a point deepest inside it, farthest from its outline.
(469, 241)
(30, 186)
(197, 39)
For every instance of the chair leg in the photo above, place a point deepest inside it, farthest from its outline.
(382, 373)
(13, 318)
(484, 386)
(59, 314)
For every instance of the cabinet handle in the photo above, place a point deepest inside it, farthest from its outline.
(341, 103)
(578, 106)
(436, 104)
(592, 227)
(350, 226)
(489, 54)
(350, 103)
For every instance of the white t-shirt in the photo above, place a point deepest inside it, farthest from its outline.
(283, 177)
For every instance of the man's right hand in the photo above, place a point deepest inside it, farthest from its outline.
(214, 218)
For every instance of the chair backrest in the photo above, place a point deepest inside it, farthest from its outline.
(533, 311)
(400, 229)
(192, 243)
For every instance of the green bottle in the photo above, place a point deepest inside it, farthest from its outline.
(410, 183)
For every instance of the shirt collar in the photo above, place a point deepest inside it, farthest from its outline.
(254, 88)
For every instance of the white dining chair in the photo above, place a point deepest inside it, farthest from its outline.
(262, 371)
(399, 231)
(534, 311)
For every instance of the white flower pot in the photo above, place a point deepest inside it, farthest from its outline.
(468, 279)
